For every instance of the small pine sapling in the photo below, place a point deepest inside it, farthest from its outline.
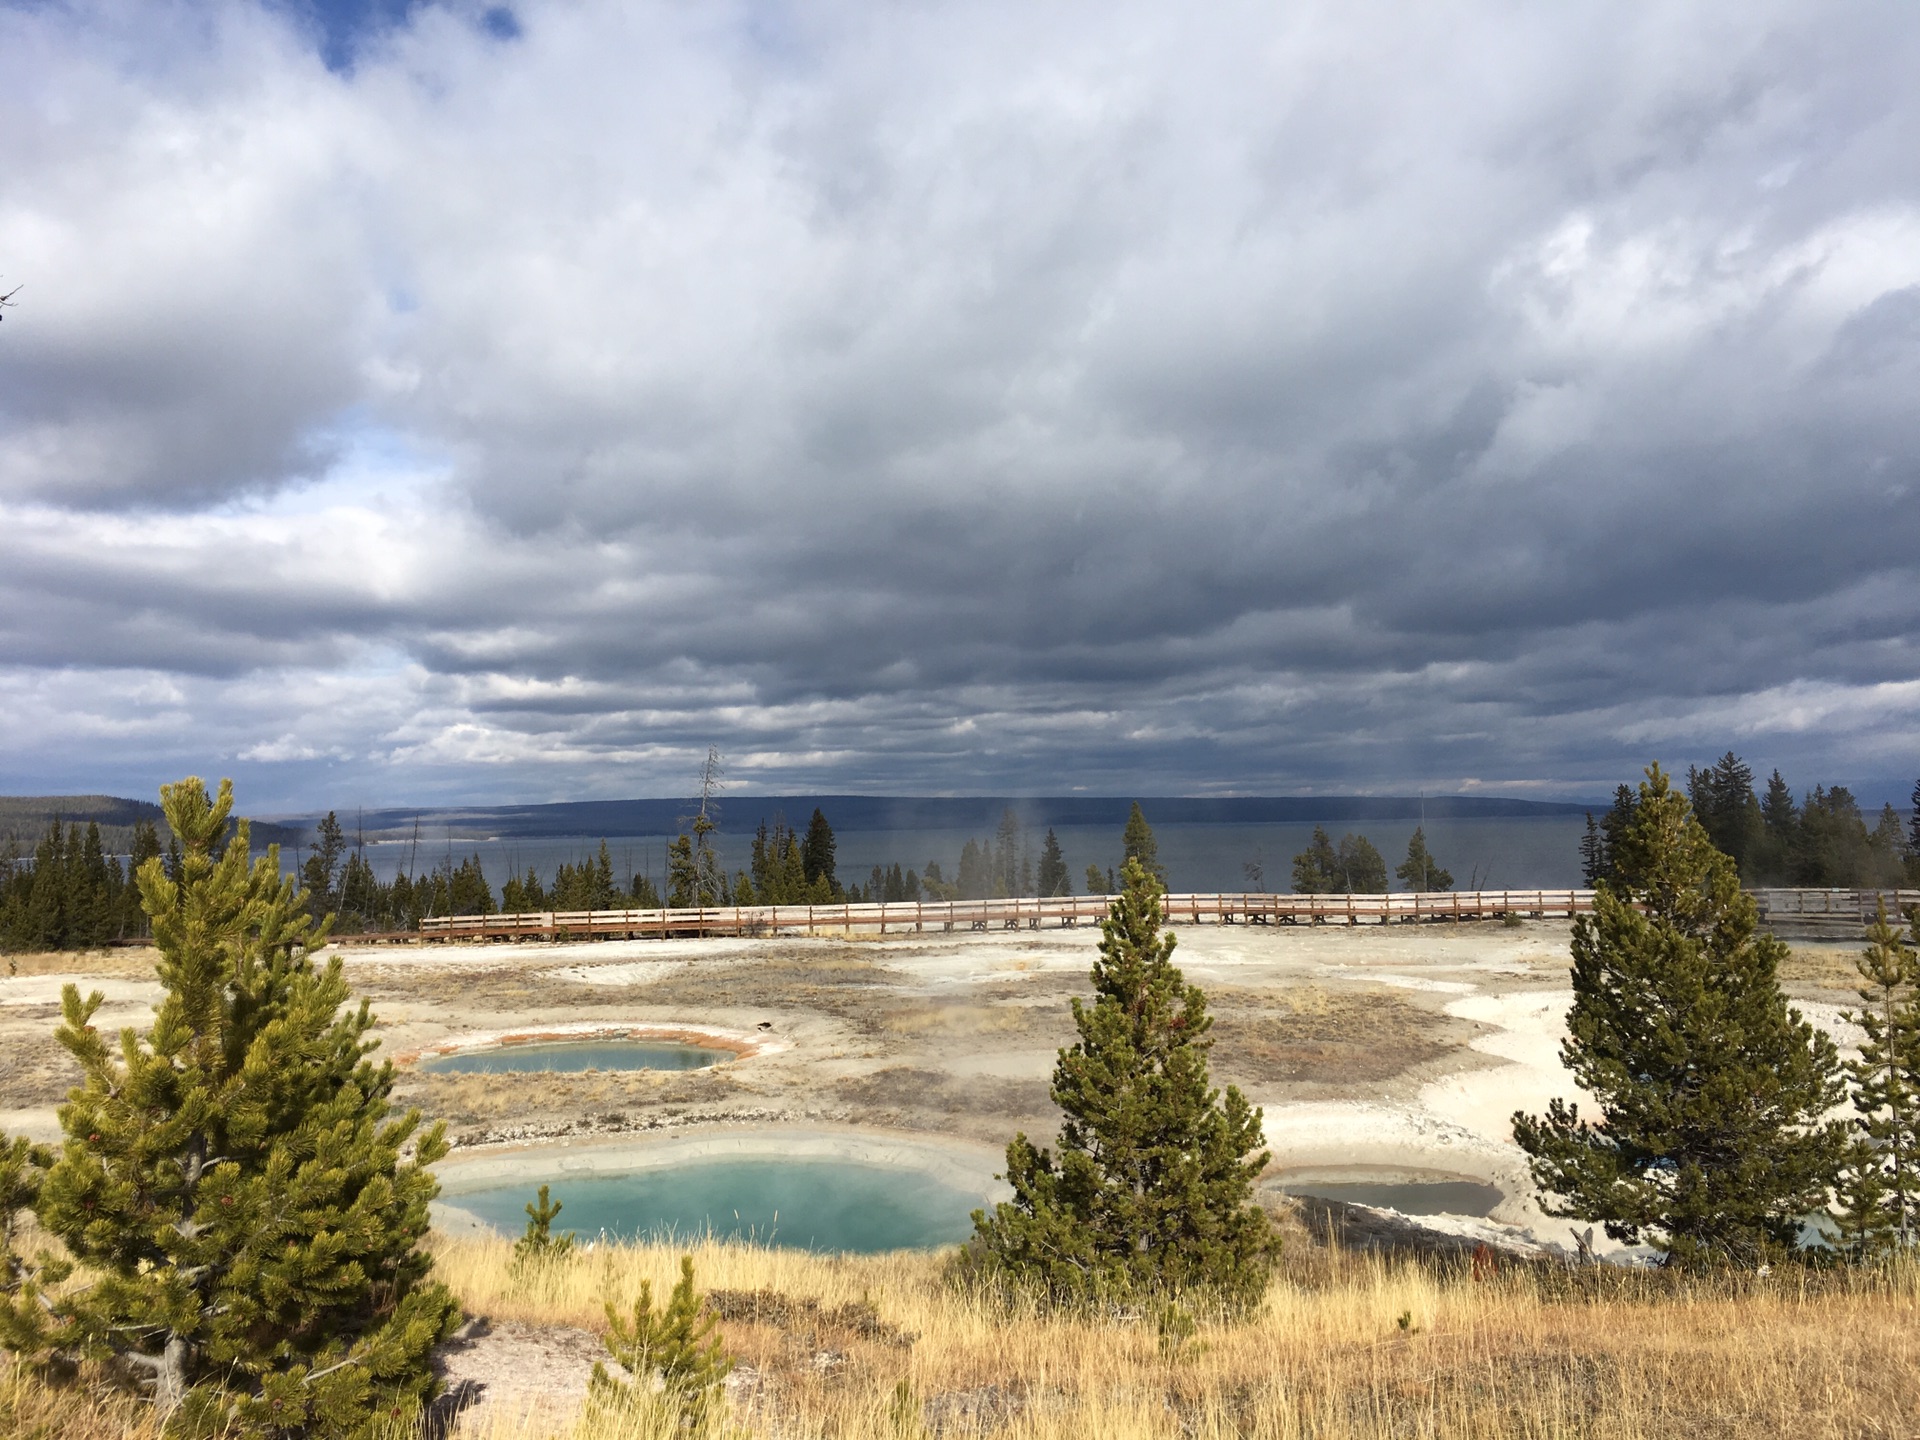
(675, 1363)
(539, 1245)
(1880, 1194)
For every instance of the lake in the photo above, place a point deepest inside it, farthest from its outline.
(1504, 852)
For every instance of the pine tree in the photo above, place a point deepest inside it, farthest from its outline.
(1316, 869)
(1913, 835)
(27, 1328)
(1418, 871)
(1881, 1196)
(234, 1180)
(1149, 1193)
(1099, 882)
(817, 852)
(1887, 844)
(1006, 856)
(538, 1244)
(975, 878)
(1362, 869)
(683, 875)
(323, 865)
(1137, 843)
(1595, 865)
(1780, 830)
(674, 1348)
(1711, 1089)
(1053, 878)
(1723, 800)
(1614, 823)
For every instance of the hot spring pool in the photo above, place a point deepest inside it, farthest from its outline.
(573, 1056)
(808, 1204)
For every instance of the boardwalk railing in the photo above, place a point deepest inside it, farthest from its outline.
(1015, 914)
(1791, 908)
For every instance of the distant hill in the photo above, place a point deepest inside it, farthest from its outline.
(615, 818)
(24, 819)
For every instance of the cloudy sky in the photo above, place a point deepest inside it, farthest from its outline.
(408, 402)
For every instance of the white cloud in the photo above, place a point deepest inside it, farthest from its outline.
(971, 395)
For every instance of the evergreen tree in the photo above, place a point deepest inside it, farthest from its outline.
(645, 896)
(323, 866)
(1881, 1196)
(1723, 800)
(1594, 862)
(600, 891)
(527, 896)
(1053, 878)
(683, 876)
(28, 1328)
(1316, 869)
(1614, 824)
(1835, 849)
(538, 1244)
(1362, 869)
(1780, 830)
(1418, 871)
(817, 853)
(934, 882)
(146, 846)
(234, 1180)
(1006, 857)
(1150, 1190)
(1887, 844)
(1099, 882)
(1913, 834)
(1137, 843)
(674, 1349)
(1710, 1088)
(975, 878)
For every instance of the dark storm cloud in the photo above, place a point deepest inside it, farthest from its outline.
(961, 397)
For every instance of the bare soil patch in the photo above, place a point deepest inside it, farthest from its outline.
(617, 1097)
(1310, 1035)
(34, 1068)
(905, 1089)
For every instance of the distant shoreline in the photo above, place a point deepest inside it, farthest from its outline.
(617, 819)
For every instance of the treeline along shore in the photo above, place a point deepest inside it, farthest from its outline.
(72, 886)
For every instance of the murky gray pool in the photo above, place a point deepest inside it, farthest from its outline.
(573, 1056)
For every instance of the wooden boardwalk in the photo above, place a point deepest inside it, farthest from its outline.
(1013, 914)
(1830, 913)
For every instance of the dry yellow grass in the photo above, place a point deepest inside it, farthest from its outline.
(886, 1350)
(1512, 1354)
(133, 962)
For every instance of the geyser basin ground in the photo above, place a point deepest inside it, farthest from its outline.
(572, 1057)
(812, 1190)
(1402, 1047)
